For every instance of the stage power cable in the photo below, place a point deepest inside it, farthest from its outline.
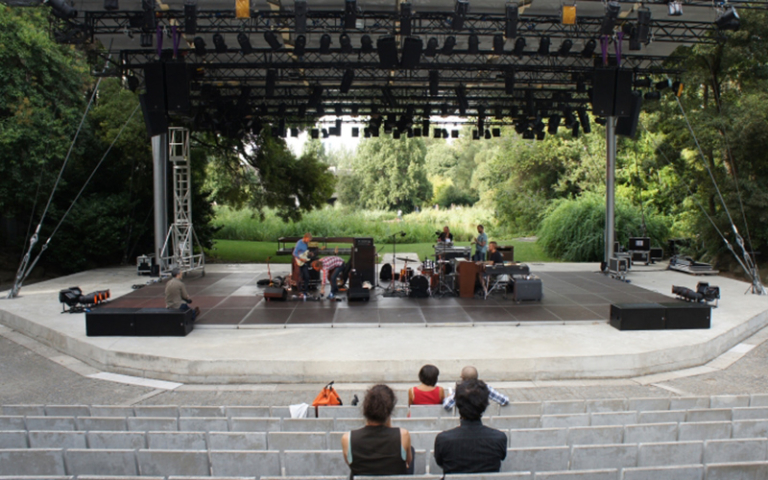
(25, 273)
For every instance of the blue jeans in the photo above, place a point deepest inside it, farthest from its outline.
(334, 277)
(184, 307)
(478, 256)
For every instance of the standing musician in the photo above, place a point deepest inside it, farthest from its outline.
(300, 256)
(446, 236)
(481, 244)
(332, 267)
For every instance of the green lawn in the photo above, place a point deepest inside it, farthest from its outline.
(240, 251)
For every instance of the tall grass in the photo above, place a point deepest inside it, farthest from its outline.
(419, 227)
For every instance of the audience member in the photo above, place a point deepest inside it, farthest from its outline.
(470, 373)
(427, 393)
(378, 448)
(471, 447)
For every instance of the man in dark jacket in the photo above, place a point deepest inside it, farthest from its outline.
(471, 447)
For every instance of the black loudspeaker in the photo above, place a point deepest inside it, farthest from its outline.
(603, 90)
(355, 280)
(686, 315)
(177, 87)
(154, 77)
(358, 294)
(638, 316)
(364, 259)
(156, 122)
(109, 322)
(275, 293)
(163, 322)
(623, 99)
(627, 126)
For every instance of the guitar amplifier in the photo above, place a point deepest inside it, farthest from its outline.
(362, 242)
(527, 288)
(358, 294)
(363, 259)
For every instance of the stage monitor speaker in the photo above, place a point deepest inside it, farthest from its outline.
(177, 87)
(156, 122)
(603, 91)
(687, 315)
(358, 294)
(110, 322)
(275, 293)
(623, 100)
(638, 316)
(627, 126)
(162, 322)
(154, 78)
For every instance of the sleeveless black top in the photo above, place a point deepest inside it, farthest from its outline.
(376, 450)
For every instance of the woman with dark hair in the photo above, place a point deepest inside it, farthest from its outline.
(427, 393)
(378, 448)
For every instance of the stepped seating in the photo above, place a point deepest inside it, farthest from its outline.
(619, 439)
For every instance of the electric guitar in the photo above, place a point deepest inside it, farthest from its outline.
(303, 258)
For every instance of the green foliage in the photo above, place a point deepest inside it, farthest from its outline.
(573, 230)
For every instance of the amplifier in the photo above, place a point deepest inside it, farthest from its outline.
(358, 294)
(362, 242)
(274, 293)
(687, 315)
(527, 288)
(641, 257)
(638, 316)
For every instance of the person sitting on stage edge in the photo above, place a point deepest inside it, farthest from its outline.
(470, 373)
(332, 267)
(427, 393)
(446, 236)
(176, 296)
(378, 448)
(471, 447)
(481, 245)
(302, 246)
(494, 254)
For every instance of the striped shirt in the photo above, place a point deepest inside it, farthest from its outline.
(330, 263)
(493, 394)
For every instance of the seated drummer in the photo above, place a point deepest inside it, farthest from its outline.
(446, 236)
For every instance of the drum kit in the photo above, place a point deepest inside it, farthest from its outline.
(434, 278)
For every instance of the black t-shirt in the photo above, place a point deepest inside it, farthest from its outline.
(442, 237)
(496, 258)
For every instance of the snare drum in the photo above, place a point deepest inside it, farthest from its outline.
(406, 274)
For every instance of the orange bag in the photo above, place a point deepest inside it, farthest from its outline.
(326, 398)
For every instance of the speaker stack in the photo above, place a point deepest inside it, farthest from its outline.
(364, 258)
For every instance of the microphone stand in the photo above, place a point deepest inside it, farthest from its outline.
(394, 260)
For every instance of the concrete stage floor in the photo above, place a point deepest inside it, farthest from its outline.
(240, 338)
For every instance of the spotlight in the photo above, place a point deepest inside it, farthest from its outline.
(299, 45)
(475, 135)
(387, 49)
(541, 135)
(510, 24)
(314, 133)
(445, 133)
(664, 84)
(652, 95)
(245, 43)
(389, 97)
(405, 19)
(190, 17)
(111, 5)
(644, 25)
(498, 44)
(412, 48)
(431, 49)
(496, 132)
(487, 134)
(642, 83)
(461, 96)
(294, 132)
(728, 20)
(350, 14)
(325, 133)
(612, 10)
(300, 16)
(366, 44)
(519, 46)
(270, 83)
(148, 18)
(396, 134)
(675, 8)
(367, 132)
(450, 42)
(346, 80)
(346, 43)
(509, 82)
(325, 44)
(584, 120)
(498, 113)
(200, 49)
(575, 130)
(589, 48)
(434, 82)
(355, 131)
(461, 9)
(569, 118)
(454, 134)
(437, 133)
(473, 44)
(544, 45)
(218, 43)
(565, 47)
(554, 123)
(272, 40)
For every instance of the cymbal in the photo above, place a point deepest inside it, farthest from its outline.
(405, 259)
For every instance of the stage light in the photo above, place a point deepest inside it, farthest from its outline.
(644, 25)
(346, 81)
(589, 48)
(487, 134)
(496, 132)
(431, 49)
(475, 135)
(519, 46)
(644, 82)
(190, 17)
(346, 43)
(612, 10)
(544, 45)
(375, 132)
(664, 84)
(396, 134)
(554, 124)
(541, 135)
(520, 127)
(575, 130)
(565, 47)
(147, 19)
(568, 117)
(300, 16)
(245, 43)
(366, 44)
(461, 9)
(445, 133)
(509, 82)
(299, 45)
(272, 40)
(568, 15)
(473, 44)
(498, 44)
(675, 8)
(437, 133)
(728, 20)
(325, 44)
(350, 14)
(480, 117)
(416, 132)
(584, 120)
(449, 44)
(461, 96)
(200, 49)
(434, 82)
(389, 97)
(405, 19)
(454, 134)
(270, 82)
(412, 48)
(294, 132)
(354, 110)
(634, 42)
(510, 24)
(325, 133)
(219, 44)
(111, 5)
(387, 49)
(367, 132)
(652, 95)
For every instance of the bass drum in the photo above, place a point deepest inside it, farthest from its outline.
(419, 286)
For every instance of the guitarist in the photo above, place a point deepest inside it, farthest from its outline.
(300, 255)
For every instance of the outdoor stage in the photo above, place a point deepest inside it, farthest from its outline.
(240, 338)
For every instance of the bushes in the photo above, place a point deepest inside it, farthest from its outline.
(573, 229)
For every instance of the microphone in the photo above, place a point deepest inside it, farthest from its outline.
(402, 234)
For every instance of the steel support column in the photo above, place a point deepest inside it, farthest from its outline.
(159, 166)
(610, 191)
